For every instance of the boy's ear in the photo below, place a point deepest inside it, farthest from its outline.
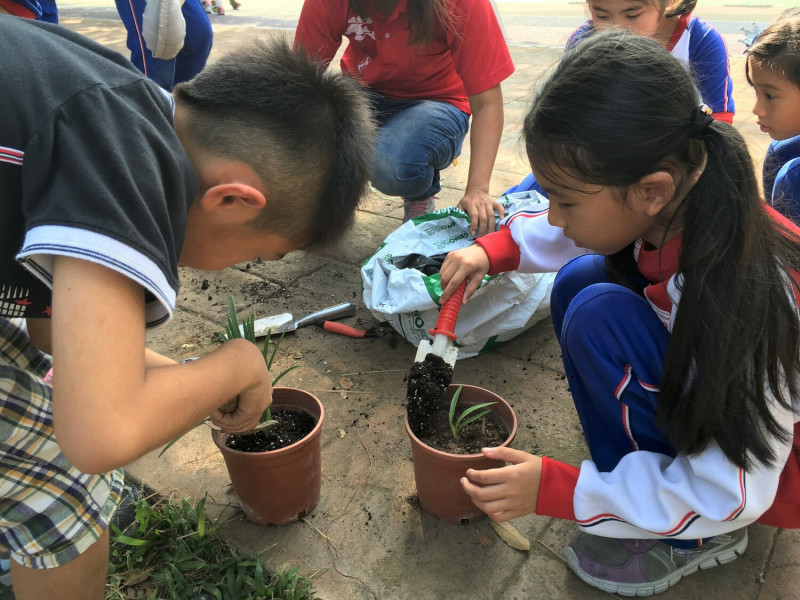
(656, 190)
(233, 196)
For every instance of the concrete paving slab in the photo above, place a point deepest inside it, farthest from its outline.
(368, 537)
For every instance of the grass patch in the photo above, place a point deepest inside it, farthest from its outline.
(173, 552)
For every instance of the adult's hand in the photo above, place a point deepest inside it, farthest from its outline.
(481, 207)
(484, 140)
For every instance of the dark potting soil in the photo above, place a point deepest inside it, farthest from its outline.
(427, 412)
(292, 427)
(427, 382)
(486, 432)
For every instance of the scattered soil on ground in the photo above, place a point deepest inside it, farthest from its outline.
(427, 382)
(292, 427)
(486, 432)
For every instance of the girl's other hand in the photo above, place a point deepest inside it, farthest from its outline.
(507, 492)
(470, 263)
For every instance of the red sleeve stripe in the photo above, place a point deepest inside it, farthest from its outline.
(11, 155)
(626, 425)
(681, 527)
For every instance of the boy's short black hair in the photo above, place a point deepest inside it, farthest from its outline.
(777, 48)
(308, 133)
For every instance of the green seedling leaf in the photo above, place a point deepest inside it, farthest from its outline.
(284, 372)
(169, 445)
(463, 420)
(248, 332)
(467, 416)
(451, 413)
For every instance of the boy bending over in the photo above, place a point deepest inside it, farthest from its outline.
(107, 185)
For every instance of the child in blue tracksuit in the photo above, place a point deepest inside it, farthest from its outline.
(41, 10)
(773, 69)
(187, 63)
(676, 307)
(691, 40)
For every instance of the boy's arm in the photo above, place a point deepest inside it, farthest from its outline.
(112, 402)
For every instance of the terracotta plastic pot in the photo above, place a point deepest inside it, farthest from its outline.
(438, 474)
(280, 486)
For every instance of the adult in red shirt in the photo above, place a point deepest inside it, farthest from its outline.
(429, 64)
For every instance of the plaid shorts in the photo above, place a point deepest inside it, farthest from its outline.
(49, 511)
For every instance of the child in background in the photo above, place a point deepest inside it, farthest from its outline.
(773, 69)
(186, 57)
(109, 183)
(677, 317)
(691, 40)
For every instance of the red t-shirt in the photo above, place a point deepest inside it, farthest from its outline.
(468, 58)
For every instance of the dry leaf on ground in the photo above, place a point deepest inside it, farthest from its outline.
(511, 536)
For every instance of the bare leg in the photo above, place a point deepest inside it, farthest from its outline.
(81, 579)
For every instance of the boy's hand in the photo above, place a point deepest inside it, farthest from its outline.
(470, 263)
(507, 492)
(242, 414)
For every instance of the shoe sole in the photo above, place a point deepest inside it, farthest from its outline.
(656, 587)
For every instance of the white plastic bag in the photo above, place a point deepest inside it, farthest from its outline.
(504, 305)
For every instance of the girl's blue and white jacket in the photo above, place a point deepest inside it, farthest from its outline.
(781, 177)
(700, 47)
(647, 495)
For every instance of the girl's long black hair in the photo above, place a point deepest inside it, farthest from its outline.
(619, 107)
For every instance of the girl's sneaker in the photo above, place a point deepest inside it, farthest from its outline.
(207, 6)
(645, 567)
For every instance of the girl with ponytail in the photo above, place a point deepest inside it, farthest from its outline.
(676, 308)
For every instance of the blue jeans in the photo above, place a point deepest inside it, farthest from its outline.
(416, 140)
(189, 61)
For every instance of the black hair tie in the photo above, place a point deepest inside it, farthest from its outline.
(702, 119)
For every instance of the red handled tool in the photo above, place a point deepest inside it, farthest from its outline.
(343, 329)
(443, 334)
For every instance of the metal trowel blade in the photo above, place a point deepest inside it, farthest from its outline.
(277, 324)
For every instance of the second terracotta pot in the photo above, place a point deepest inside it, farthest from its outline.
(280, 486)
(438, 474)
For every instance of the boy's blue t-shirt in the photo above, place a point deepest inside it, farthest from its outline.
(781, 177)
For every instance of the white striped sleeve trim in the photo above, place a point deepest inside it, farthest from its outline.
(44, 242)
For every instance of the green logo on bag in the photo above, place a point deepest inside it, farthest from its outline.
(452, 240)
(438, 228)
